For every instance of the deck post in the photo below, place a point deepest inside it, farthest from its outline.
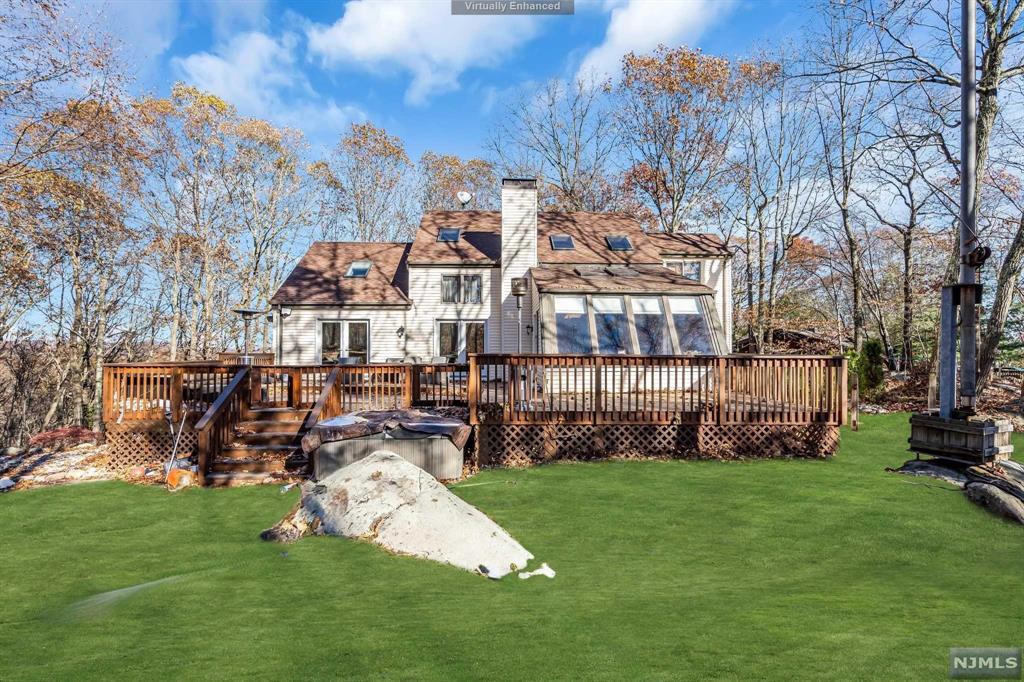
(295, 387)
(598, 390)
(177, 383)
(414, 384)
(719, 392)
(472, 388)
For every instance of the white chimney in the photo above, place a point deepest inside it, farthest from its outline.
(518, 255)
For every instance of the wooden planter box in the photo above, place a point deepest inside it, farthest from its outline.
(973, 441)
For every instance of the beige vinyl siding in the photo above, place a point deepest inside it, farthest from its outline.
(300, 337)
(425, 291)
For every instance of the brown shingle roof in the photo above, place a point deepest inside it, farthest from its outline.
(319, 278)
(641, 278)
(694, 244)
(588, 231)
(479, 243)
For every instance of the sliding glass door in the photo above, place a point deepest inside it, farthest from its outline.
(456, 338)
(344, 339)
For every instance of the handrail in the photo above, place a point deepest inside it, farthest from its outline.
(216, 427)
(225, 395)
(318, 407)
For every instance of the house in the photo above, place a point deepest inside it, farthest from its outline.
(588, 283)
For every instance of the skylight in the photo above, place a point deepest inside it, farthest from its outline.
(562, 242)
(358, 268)
(619, 242)
(448, 234)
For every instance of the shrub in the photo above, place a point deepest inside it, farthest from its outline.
(871, 366)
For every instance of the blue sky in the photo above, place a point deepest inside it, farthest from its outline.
(436, 80)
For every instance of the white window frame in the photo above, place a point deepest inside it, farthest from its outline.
(344, 336)
(360, 264)
(461, 344)
(687, 261)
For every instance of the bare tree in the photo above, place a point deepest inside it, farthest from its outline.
(566, 133)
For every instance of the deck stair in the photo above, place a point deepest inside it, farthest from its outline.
(267, 441)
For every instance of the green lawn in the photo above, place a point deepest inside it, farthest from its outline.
(779, 570)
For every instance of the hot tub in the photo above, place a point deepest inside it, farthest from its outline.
(430, 446)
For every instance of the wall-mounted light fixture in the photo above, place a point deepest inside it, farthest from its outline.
(400, 331)
(285, 312)
(529, 330)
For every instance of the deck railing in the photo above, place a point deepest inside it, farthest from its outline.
(516, 389)
(732, 389)
(146, 391)
(216, 428)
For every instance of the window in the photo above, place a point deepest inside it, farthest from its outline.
(455, 339)
(651, 329)
(450, 289)
(619, 242)
(562, 242)
(448, 340)
(691, 327)
(572, 326)
(359, 268)
(461, 288)
(689, 269)
(472, 288)
(448, 234)
(612, 326)
(344, 339)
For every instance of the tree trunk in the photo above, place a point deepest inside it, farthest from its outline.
(908, 298)
(1006, 282)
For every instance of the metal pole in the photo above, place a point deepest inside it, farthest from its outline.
(968, 208)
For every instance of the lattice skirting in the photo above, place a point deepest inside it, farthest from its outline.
(517, 445)
(139, 446)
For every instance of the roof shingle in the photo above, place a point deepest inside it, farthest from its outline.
(319, 278)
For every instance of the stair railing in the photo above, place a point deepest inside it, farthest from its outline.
(328, 403)
(216, 428)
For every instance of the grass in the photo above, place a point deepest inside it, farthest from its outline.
(696, 570)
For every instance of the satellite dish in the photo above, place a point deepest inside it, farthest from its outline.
(464, 198)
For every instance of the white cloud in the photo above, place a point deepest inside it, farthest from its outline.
(145, 29)
(421, 38)
(259, 75)
(641, 25)
(232, 16)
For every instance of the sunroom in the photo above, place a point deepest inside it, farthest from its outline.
(624, 310)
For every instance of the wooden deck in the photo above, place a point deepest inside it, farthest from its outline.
(733, 392)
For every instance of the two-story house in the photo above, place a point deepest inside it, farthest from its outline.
(587, 283)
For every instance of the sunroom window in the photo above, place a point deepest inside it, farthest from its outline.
(691, 327)
(572, 327)
(651, 327)
(359, 268)
(448, 234)
(612, 326)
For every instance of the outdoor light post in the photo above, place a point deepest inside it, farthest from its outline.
(248, 315)
(519, 291)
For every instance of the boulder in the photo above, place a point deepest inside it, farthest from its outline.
(920, 467)
(386, 500)
(996, 500)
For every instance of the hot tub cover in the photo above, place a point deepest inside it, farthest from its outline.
(369, 422)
